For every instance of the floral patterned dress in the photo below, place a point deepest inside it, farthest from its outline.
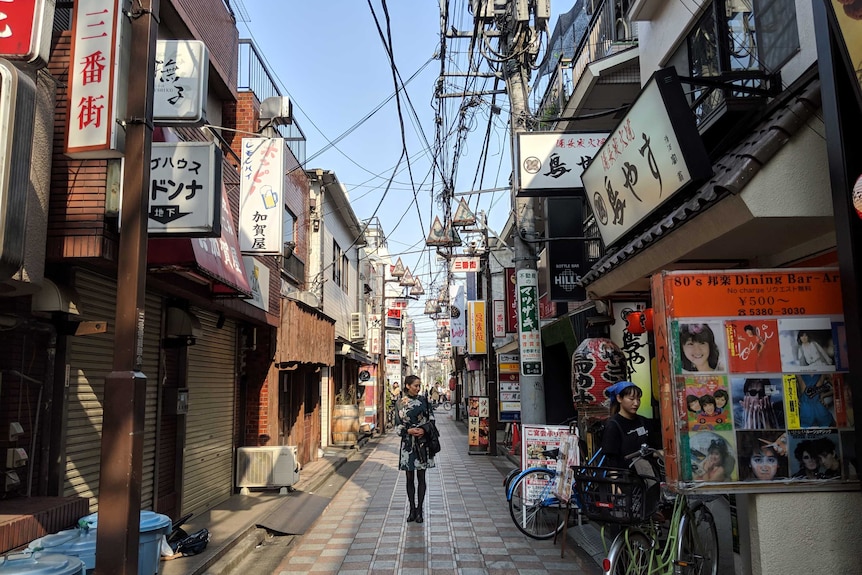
(411, 412)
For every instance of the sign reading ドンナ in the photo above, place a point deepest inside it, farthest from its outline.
(653, 153)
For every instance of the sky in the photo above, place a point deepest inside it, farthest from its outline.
(329, 58)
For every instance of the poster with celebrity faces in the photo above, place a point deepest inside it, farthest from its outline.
(707, 401)
(757, 364)
(752, 346)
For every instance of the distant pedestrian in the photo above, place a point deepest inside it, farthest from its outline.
(413, 410)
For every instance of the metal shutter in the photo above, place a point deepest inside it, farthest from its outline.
(90, 360)
(208, 457)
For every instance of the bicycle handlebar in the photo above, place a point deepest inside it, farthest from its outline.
(642, 452)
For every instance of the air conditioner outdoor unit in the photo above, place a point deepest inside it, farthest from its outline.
(357, 326)
(267, 466)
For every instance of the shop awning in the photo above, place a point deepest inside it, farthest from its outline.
(736, 221)
(215, 261)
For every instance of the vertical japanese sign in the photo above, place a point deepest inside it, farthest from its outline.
(25, 30)
(185, 189)
(478, 424)
(508, 372)
(375, 328)
(458, 316)
(261, 207)
(528, 322)
(653, 153)
(499, 318)
(511, 302)
(477, 342)
(94, 97)
(180, 85)
(636, 350)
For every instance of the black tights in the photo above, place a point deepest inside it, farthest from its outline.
(411, 487)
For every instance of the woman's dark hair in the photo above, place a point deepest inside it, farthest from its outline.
(806, 446)
(706, 399)
(410, 379)
(690, 398)
(722, 393)
(698, 333)
(629, 391)
(752, 444)
(800, 334)
(749, 327)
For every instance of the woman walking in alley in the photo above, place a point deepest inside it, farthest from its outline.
(413, 411)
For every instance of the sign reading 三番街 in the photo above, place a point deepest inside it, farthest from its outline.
(95, 93)
(551, 163)
(179, 88)
(261, 204)
(528, 322)
(185, 189)
(653, 153)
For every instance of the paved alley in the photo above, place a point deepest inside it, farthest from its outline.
(467, 528)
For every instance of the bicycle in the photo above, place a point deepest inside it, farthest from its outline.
(533, 502)
(648, 543)
(447, 405)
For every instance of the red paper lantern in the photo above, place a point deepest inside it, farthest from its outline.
(640, 321)
(597, 364)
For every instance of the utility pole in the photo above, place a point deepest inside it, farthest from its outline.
(516, 73)
(117, 538)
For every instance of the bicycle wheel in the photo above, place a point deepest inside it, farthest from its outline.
(698, 543)
(536, 511)
(630, 554)
(447, 405)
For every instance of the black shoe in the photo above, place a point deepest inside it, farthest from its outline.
(419, 518)
(412, 515)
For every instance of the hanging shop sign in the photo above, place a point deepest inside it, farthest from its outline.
(261, 204)
(457, 316)
(185, 189)
(499, 318)
(511, 301)
(25, 31)
(753, 373)
(374, 335)
(258, 280)
(96, 94)
(393, 343)
(653, 153)
(465, 264)
(477, 340)
(17, 110)
(528, 322)
(567, 258)
(551, 163)
(393, 318)
(180, 85)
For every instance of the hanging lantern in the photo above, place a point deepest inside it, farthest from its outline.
(597, 364)
(640, 321)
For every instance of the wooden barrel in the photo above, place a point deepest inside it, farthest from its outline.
(345, 424)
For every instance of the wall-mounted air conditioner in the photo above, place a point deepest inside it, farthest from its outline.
(268, 467)
(357, 326)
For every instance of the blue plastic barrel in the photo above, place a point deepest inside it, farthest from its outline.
(81, 542)
(27, 563)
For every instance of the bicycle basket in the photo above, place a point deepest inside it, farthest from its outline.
(610, 495)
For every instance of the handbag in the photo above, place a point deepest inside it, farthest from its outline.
(432, 436)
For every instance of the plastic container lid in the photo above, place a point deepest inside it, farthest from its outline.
(40, 564)
(77, 542)
(150, 521)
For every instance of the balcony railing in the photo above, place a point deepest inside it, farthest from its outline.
(606, 34)
(254, 76)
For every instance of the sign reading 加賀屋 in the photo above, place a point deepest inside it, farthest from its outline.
(261, 203)
(653, 153)
(95, 94)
